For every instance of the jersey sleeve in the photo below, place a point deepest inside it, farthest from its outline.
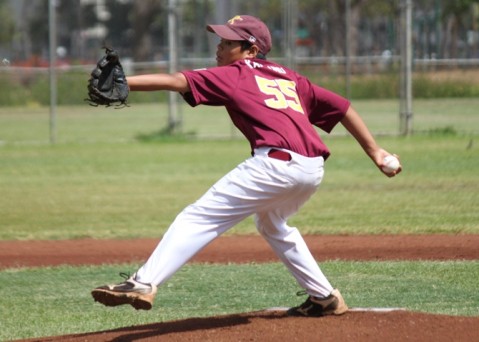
(214, 86)
(324, 107)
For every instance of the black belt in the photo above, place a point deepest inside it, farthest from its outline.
(278, 154)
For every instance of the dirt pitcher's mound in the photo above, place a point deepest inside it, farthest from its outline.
(275, 326)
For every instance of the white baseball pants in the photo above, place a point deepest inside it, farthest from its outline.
(269, 188)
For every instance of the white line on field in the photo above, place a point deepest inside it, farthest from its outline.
(282, 308)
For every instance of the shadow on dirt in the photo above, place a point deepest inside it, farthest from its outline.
(275, 326)
(184, 330)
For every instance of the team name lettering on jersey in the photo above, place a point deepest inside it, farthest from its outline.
(277, 69)
(256, 65)
(252, 64)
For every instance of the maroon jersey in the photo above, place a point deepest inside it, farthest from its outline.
(270, 104)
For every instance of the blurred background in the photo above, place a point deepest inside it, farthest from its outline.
(362, 49)
(442, 29)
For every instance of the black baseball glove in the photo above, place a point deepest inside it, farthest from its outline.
(107, 85)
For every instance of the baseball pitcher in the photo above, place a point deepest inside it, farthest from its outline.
(276, 109)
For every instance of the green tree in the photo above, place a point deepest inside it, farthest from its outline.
(6, 23)
(327, 22)
(458, 16)
(120, 33)
(72, 18)
(137, 27)
(38, 27)
(147, 23)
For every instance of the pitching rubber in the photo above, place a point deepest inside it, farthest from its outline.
(376, 309)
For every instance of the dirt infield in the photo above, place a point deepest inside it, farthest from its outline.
(242, 249)
(269, 325)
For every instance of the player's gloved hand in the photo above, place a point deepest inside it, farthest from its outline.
(107, 85)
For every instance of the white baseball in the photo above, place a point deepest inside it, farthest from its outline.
(391, 164)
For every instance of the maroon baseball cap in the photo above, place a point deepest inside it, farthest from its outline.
(245, 27)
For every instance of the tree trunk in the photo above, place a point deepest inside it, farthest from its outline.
(144, 13)
(450, 44)
(354, 26)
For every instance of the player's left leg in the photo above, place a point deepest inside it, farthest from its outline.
(198, 224)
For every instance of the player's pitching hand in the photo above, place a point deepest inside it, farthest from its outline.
(388, 163)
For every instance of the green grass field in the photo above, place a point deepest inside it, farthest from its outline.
(86, 124)
(99, 181)
(124, 190)
(56, 301)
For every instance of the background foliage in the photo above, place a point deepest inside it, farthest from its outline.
(31, 88)
(442, 28)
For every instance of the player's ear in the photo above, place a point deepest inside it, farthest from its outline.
(253, 51)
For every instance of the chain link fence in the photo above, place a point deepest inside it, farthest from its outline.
(310, 36)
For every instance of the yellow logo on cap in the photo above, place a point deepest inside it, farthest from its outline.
(232, 20)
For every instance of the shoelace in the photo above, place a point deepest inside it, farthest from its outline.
(304, 293)
(125, 275)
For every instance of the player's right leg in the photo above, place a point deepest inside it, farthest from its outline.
(290, 247)
(317, 307)
(292, 250)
